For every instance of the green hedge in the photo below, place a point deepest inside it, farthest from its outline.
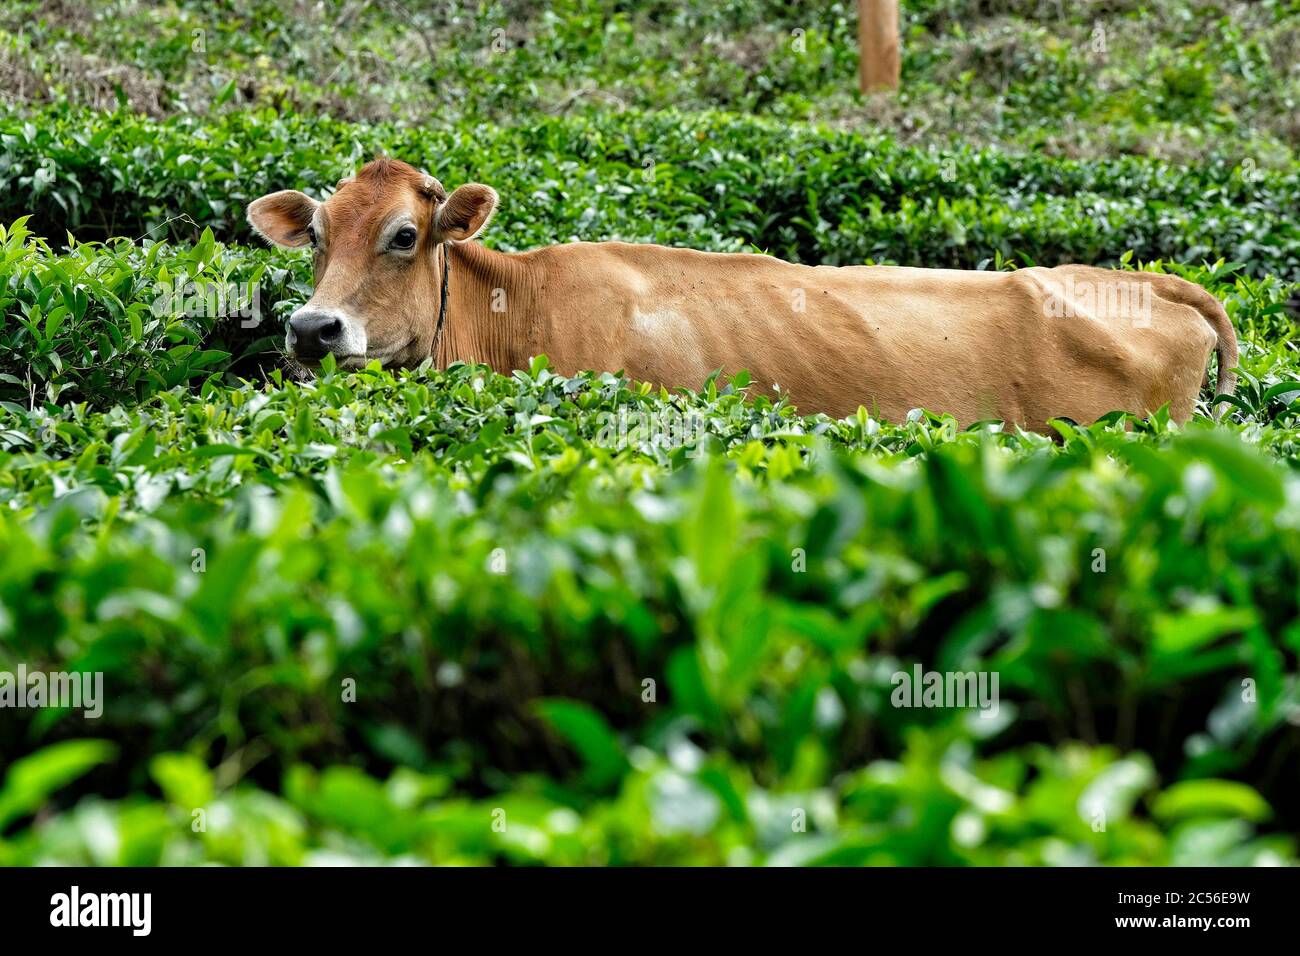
(213, 444)
(711, 181)
(119, 321)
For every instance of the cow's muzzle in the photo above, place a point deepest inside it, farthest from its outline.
(313, 333)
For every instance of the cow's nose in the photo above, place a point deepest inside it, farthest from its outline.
(312, 334)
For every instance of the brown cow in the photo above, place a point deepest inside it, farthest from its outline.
(399, 279)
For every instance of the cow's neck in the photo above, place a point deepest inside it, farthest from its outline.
(489, 298)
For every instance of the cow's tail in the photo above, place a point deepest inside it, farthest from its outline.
(1226, 348)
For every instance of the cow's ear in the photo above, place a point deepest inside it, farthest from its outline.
(466, 212)
(283, 217)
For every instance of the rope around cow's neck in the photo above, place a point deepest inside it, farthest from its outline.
(442, 301)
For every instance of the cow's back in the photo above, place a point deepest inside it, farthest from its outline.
(1021, 346)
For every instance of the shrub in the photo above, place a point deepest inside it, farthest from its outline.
(489, 608)
(120, 320)
(710, 181)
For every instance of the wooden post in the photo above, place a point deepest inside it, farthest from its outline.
(878, 59)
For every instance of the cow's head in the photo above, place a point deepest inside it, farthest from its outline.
(377, 272)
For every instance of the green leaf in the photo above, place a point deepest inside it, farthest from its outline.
(1177, 634)
(54, 320)
(31, 780)
(185, 780)
(590, 736)
(1239, 464)
(1211, 798)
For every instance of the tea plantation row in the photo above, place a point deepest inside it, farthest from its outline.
(463, 596)
(712, 181)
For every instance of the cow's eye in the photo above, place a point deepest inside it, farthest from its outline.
(311, 236)
(404, 239)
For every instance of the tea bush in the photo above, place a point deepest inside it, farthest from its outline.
(499, 603)
(108, 322)
(711, 181)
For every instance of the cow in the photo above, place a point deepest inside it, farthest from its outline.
(401, 279)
